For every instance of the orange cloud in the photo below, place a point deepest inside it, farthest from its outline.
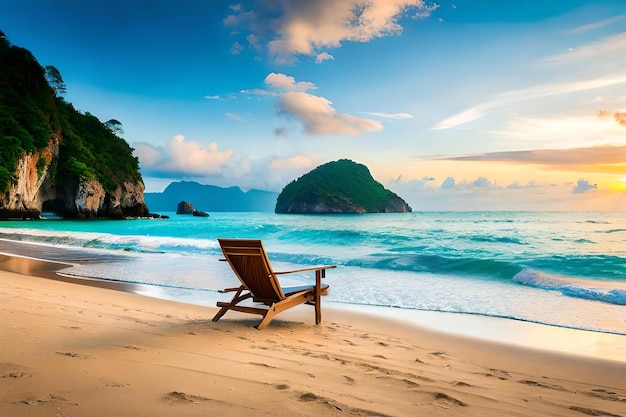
(318, 116)
(603, 160)
(618, 116)
(594, 155)
(290, 27)
(182, 157)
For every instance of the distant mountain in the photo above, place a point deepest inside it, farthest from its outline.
(210, 198)
(339, 187)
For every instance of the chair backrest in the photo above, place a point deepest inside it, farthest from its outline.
(250, 263)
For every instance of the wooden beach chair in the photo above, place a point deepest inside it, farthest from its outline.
(259, 282)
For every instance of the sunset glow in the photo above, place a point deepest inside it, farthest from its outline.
(495, 104)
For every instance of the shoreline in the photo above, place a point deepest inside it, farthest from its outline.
(500, 330)
(71, 350)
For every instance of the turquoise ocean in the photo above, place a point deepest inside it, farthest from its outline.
(565, 269)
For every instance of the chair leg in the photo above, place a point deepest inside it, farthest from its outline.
(234, 301)
(220, 313)
(266, 320)
(318, 297)
(289, 302)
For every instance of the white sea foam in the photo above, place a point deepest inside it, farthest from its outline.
(578, 288)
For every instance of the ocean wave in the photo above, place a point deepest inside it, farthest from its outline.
(496, 239)
(584, 241)
(568, 288)
(609, 267)
(346, 237)
(435, 264)
(111, 242)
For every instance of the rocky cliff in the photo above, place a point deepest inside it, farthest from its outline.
(35, 190)
(54, 158)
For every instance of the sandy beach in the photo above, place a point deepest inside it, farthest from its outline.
(80, 350)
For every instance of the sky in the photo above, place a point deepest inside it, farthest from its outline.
(453, 105)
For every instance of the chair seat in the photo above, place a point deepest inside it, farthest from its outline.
(297, 288)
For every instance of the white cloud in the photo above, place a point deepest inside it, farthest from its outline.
(324, 56)
(582, 186)
(314, 112)
(299, 162)
(598, 24)
(319, 117)
(448, 184)
(393, 116)
(466, 195)
(466, 116)
(181, 157)
(291, 27)
(523, 95)
(235, 117)
(562, 131)
(212, 98)
(148, 155)
(288, 83)
(602, 57)
(258, 92)
(482, 182)
(236, 48)
(611, 47)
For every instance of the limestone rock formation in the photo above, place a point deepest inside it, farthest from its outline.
(34, 191)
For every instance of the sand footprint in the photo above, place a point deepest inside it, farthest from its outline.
(442, 396)
(12, 370)
(593, 412)
(72, 355)
(181, 397)
(503, 375)
(541, 385)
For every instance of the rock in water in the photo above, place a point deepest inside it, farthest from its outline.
(185, 207)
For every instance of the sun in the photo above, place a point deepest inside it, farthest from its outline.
(620, 185)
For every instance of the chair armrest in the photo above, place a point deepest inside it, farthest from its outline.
(313, 268)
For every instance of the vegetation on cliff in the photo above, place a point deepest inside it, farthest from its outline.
(341, 186)
(32, 112)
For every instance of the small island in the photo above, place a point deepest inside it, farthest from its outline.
(339, 187)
